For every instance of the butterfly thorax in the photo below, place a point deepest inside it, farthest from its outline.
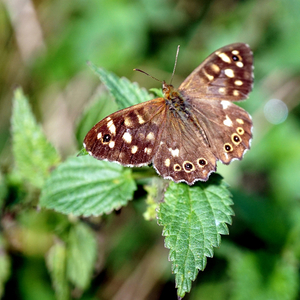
(175, 101)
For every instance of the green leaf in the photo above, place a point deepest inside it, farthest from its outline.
(97, 110)
(82, 254)
(86, 186)
(82, 152)
(125, 92)
(3, 189)
(154, 191)
(56, 263)
(261, 275)
(193, 219)
(5, 266)
(34, 155)
(157, 92)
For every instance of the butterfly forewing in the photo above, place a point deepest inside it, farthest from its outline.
(226, 74)
(187, 131)
(129, 136)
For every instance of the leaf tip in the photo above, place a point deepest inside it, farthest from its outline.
(82, 152)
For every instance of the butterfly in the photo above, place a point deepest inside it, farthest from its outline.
(185, 132)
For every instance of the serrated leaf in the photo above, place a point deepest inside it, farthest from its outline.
(125, 92)
(56, 263)
(34, 155)
(86, 186)
(193, 219)
(97, 110)
(82, 254)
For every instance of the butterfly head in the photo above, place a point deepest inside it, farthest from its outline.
(169, 91)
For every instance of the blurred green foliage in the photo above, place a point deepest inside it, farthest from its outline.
(44, 48)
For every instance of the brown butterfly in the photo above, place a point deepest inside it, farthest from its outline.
(185, 132)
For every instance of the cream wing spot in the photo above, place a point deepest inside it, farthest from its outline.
(150, 136)
(111, 144)
(240, 121)
(225, 104)
(229, 73)
(167, 162)
(236, 93)
(140, 118)
(99, 135)
(215, 68)
(175, 152)
(111, 127)
(128, 121)
(222, 90)
(224, 57)
(235, 52)
(239, 64)
(134, 149)
(127, 137)
(238, 82)
(148, 150)
(227, 122)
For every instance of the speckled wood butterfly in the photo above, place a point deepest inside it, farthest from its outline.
(185, 132)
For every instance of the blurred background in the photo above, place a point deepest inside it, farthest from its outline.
(44, 47)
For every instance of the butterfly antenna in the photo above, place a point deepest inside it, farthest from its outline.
(139, 70)
(175, 64)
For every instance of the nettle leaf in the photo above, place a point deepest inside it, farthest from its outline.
(193, 219)
(56, 263)
(101, 107)
(86, 186)
(81, 255)
(34, 155)
(126, 93)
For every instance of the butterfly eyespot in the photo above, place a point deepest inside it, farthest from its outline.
(228, 147)
(177, 167)
(235, 139)
(106, 138)
(201, 162)
(235, 58)
(240, 130)
(188, 166)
